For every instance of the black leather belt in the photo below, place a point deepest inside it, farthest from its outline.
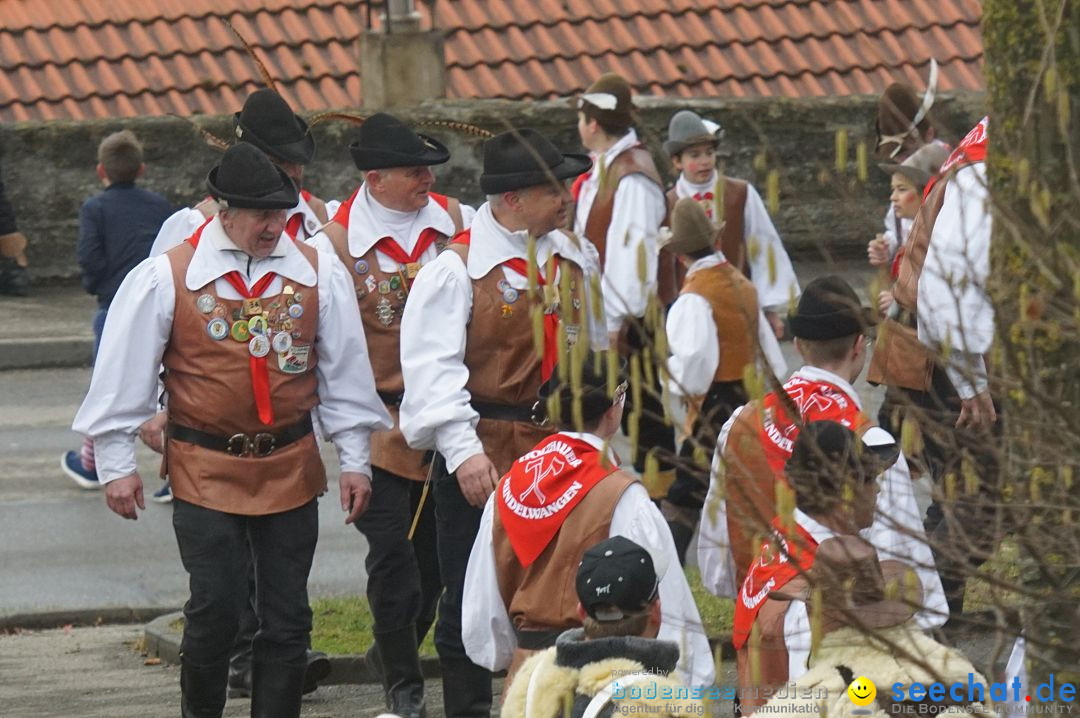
(391, 399)
(259, 445)
(502, 412)
(535, 640)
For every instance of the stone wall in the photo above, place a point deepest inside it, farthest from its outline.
(49, 167)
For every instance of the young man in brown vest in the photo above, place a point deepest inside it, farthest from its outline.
(390, 227)
(620, 208)
(712, 330)
(835, 488)
(942, 281)
(748, 238)
(748, 486)
(556, 501)
(267, 122)
(480, 334)
(254, 331)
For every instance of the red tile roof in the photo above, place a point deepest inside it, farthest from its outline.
(101, 58)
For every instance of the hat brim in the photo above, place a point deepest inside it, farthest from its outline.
(381, 158)
(300, 152)
(674, 147)
(822, 327)
(285, 197)
(571, 166)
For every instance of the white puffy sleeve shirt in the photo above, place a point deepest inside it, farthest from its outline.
(954, 307)
(123, 389)
(774, 278)
(488, 635)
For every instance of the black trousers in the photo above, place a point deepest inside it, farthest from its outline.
(403, 576)
(965, 522)
(686, 497)
(655, 435)
(216, 549)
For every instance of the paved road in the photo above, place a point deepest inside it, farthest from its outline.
(62, 549)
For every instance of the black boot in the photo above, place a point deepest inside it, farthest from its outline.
(202, 690)
(402, 679)
(276, 689)
(14, 280)
(240, 673)
(466, 689)
(318, 668)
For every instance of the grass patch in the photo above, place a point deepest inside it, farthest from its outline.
(717, 614)
(1004, 565)
(343, 625)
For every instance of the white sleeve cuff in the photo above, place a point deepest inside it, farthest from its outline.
(354, 450)
(458, 442)
(114, 455)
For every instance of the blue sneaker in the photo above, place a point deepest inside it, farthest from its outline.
(71, 465)
(163, 495)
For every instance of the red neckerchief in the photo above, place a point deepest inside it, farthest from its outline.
(894, 270)
(387, 245)
(260, 377)
(783, 557)
(543, 487)
(971, 149)
(551, 319)
(817, 401)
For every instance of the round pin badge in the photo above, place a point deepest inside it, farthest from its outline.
(296, 311)
(282, 342)
(298, 297)
(206, 303)
(217, 328)
(259, 346)
(361, 266)
(503, 285)
(395, 282)
(240, 331)
(510, 295)
(258, 325)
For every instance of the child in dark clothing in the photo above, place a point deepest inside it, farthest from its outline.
(116, 230)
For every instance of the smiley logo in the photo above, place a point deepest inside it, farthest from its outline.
(862, 691)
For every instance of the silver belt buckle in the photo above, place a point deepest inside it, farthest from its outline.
(239, 445)
(263, 445)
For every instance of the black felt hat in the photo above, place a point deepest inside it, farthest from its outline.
(246, 178)
(268, 122)
(829, 309)
(524, 158)
(592, 393)
(385, 142)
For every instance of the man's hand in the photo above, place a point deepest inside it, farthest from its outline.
(152, 432)
(878, 251)
(977, 412)
(124, 494)
(776, 322)
(885, 300)
(477, 478)
(355, 494)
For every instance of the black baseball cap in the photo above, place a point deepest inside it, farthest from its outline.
(616, 578)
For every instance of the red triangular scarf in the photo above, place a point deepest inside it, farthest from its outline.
(293, 225)
(394, 251)
(543, 487)
(551, 319)
(817, 401)
(783, 557)
(260, 376)
(971, 149)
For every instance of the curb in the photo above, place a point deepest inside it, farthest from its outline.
(46, 352)
(84, 617)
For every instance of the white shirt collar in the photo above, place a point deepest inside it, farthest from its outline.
(365, 227)
(312, 223)
(592, 440)
(217, 255)
(814, 373)
(705, 262)
(817, 531)
(491, 244)
(686, 188)
(630, 139)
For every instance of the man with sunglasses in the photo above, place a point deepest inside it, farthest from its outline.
(557, 500)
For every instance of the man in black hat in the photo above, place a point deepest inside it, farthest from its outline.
(479, 335)
(748, 483)
(618, 656)
(254, 331)
(390, 227)
(267, 122)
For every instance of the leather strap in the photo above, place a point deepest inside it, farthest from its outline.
(259, 445)
(502, 412)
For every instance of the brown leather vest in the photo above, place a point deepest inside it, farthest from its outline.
(209, 386)
(543, 596)
(501, 356)
(380, 312)
(906, 288)
(733, 300)
(635, 160)
(732, 240)
(770, 656)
